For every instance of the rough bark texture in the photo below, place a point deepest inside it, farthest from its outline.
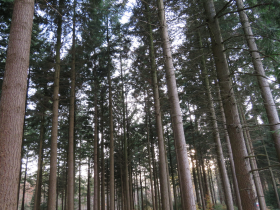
(269, 104)
(242, 166)
(71, 167)
(12, 103)
(53, 161)
(180, 145)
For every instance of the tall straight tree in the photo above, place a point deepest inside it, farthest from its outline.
(71, 174)
(111, 125)
(242, 166)
(53, 161)
(126, 174)
(96, 160)
(162, 160)
(177, 123)
(270, 108)
(112, 165)
(12, 105)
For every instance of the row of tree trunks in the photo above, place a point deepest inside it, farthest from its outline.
(219, 150)
(233, 173)
(234, 128)
(253, 162)
(162, 155)
(270, 108)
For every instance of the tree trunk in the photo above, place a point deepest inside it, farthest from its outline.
(37, 197)
(219, 150)
(24, 185)
(141, 189)
(57, 184)
(28, 80)
(269, 104)
(126, 178)
(71, 167)
(253, 162)
(80, 163)
(272, 176)
(149, 155)
(231, 112)
(53, 158)
(108, 185)
(112, 167)
(195, 183)
(162, 159)
(155, 177)
(179, 136)
(234, 178)
(96, 162)
(102, 159)
(12, 103)
(88, 186)
(200, 185)
(172, 172)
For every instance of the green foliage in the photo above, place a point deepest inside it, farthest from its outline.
(222, 207)
(209, 204)
(270, 197)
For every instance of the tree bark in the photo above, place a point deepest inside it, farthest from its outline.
(155, 179)
(234, 128)
(253, 162)
(102, 159)
(88, 186)
(270, 108)
(71, 155)
(172, 173)
(80, 163)
(96, 162)
(234, 178)
(162, 154)
(24, 186)
(149, 151)
(126, 178)
(37, 198)
(112, 165)
(272, 176)
(178, 130)
(53, 158)
(12, 103)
